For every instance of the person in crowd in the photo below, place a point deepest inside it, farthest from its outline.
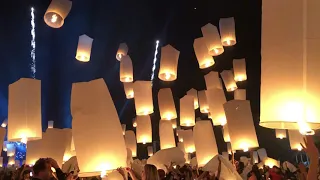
(275, 173)
(149, 172)
(42, 169)
(255, 173)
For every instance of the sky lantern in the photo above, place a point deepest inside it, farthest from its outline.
(295, 138)
(203, 102)
(131, 142)
(205, 60)
(240, 123)
(4, 146)
(122, 51)
(1, 161)
(150, 151)
(143, 97)
(50, 124)
(168, 63)
(144, 129)
(239, 70)
(174, 123)
(216, 99)
(24, 110)
(226, 136)
(4, 123)
(240, 94)
(188, 141)
(123, 128)
(180, 133)
(166, 135)
(134, 122)
(212, 39)
(205, 142)
(281, 133)
(228, 80)
(227, 31)
(271, 162)
(229, 148)
(128, 89)
(69, 149)
(187, 114)
(11, 149)
(126, 69)
(92, 101)
(194, 93)
(255, 158)
(84, 48)
(11, 160)
(212, 80)
(166, 104)
(57, 12)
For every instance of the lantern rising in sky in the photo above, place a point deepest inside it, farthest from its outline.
(56, 13)
(227, 31)
(239, 70)
(128, 89)
(194, 93)
(143, 97)
(126, 69)
(168, 63)
(187, 114)
(281, 133)
(84, 48)
(228, 80)
(216, 99)
(212, 39)
(144, 129)
(166, 104)
(122, 51)
(205, 60)
(166, 135)
(203, 102)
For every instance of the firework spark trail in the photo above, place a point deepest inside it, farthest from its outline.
(154, 60)
(33, 45)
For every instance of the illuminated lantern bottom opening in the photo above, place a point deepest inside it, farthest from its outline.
(216, 51)
(53, 20)
(167, 76)
(207, 63)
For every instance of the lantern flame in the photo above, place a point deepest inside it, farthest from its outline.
(24, 140)
(299, 148)
(304, 128)
(103, 174)
(167, 75)
(54, 18)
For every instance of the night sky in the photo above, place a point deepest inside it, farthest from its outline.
(139, 24)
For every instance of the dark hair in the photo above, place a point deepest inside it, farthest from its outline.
(40, 165)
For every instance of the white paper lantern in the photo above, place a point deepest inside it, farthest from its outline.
(168, 63)
(165, 157)
(281, 133)
(187, 114)
(216, 99)
(134, 122)
(212, 39)
(194, 93)
(239, 70)
(228, 80)
(166, 135)
(123, 128)
(227, 31)
(188, 141)
(128, 89)
(84, 48)
(126, 69)
(205, 142)
(174, 123)
(205, 60)
(4, 123)
(144, 129)
(240, 94)
(11, 160)
(24, 110)
(271, 162)
(262, 154)
(131, 142)
(69, 149)
(229, 148)
(295, 138)
(213, 81)
(122, 51)
(56, 13)
(166, 104)
(11, 150)
(50, 124)
(143, 97)
(180, 133)
(150, 151)
(240, 123)
(226, 136)
(203, 102)
(255, 158)
(4, 146)
(1, 161)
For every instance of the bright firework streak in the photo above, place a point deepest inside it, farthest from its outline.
(154, 60)
(33, 45)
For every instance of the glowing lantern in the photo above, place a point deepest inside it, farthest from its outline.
(194, 94)
(186, 155)
(240, 123)
(166, 104)
(204, 106)
(205, 60)
(131, 142)
(1, 161)
(128, 89)
(239, 70)
(126, 69)
(144, 129)
(262, 154)
(188, 141)
(228, 80)
(134, 122)
(4, 146)
(212, 80)
(255, 158)
(50, 124)
(174, 123)
(150, 150)
(271, 162)
(212, 39)
(227, 31)
(92, 100)
(84, 48)
(281, 133)
(240, 94)
(226, 135)
(295, 138)
(122, 51)
(143, 97)
(11, 160)
(56, 13)
(4, 123)
(187, 114)
(123, 129)
(69, 150)
(180, 133)
(24, 110)
(205, 142)
(166, 135)
(229, 147)
(168, 63)
(2, 135)
(11, 150)
(216, 99)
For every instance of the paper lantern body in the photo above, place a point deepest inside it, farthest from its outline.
(166, 156)
(11, 150)
(84, 48)
(166, 135)
(228, 80)
(216, 99)
(1, 161)
(166, 104)
(122, 51)
(271, 162)
(128, 89)
(174, 123)
(131, 142)
(205, 142)
(144, 129)
(92, 100)
(56, 13)
(180, 134)
(143, 97)
(187, 114)
(123, 129)
(229, 147)
(4, 123)
(240, 123)
(168, 63)
(295, 138)
(262, 154)
(239, 70)
(227, 31)
(150, 151)
(194, 94)
(212, 39)
(255, 158)
(281, 133)
(213, 81)
(205, 60)
(4, 146)
(69, 149)
(126, 69)
(134, 122)
(24, 110)
(11, 160)
(204, 106)
(50, 124)
(240, 94)
(188, 141)
(226, 136)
